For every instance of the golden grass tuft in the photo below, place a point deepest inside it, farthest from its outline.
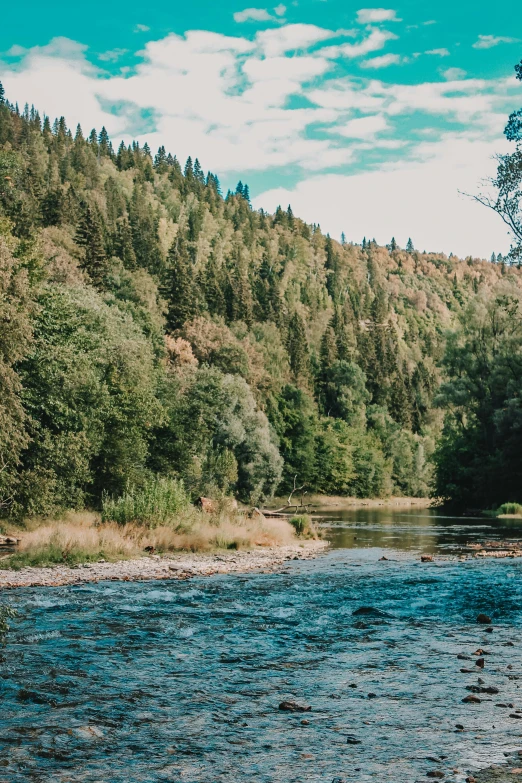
(82, 537)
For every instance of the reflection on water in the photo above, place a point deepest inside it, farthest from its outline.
(181, 681)
(422, 530)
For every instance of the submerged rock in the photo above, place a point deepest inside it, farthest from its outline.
(370, 611)
(293, 706)
(484, 619)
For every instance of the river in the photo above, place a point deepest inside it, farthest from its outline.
(181, 681)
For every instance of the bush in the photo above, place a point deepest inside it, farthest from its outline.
(157, 502)
(303, 526)
(510, 508)
(6, 613)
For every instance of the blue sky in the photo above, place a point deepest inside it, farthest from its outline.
(368, 120)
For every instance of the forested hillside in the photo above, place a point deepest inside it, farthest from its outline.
(150, 325)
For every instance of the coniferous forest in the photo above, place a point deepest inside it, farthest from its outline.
(151, 325)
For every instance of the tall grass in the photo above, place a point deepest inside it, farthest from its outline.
(158, 502)
(81, 538)
(303, 526)
(510, 508)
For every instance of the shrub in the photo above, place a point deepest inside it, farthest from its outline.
(6, 613)
(303, 526)
(510, 508)
(157, 502)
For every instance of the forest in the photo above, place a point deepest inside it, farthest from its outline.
(152, 327)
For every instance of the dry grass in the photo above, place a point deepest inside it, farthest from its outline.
(81, 537)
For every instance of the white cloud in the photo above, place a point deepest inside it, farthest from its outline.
(141, 28)
(439, 52)
(363, 127)
(291, 37)
(418, 199)
(253, 15)
(280, 10)
(376, 40)
(112, 55)
(383, 61)
(374, 15)
(488, 41)
(451, 74)
(279, 100)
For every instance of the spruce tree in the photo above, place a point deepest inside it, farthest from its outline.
(297, 347)
(179, 287)
(409, 246)
(124, 247)
(213, 289)
(89, 236)
(2, 94)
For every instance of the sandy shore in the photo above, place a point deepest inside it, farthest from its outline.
(182, 566)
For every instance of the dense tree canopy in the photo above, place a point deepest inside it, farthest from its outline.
(149, 325)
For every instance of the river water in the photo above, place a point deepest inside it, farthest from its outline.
(181, 681)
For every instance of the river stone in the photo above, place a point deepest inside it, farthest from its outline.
(484, 619)
(293, 706)
(435, 773)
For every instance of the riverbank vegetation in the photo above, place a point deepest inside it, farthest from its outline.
(159, 336)
(81, 537)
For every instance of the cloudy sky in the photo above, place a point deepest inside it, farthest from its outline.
(367, 120)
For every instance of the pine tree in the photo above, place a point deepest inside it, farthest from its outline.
(213, 289)
(89, 236)
(409, 246)
(393, 245)
(343, 238)
(328, 348)
(160, 160)
(297, 347)
(179, 287)
(493, 258)
(2, 94)
(189, 170)
(124, 248)
(103, 142)
(198, 172)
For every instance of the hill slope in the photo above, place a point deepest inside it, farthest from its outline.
(150, 325)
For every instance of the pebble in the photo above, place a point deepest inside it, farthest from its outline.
(175, 566)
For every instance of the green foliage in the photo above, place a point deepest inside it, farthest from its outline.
(510, 508)
(478, 459)
(212, 416)
(6, 613)
(149, 326)
(303, 526)
(158, 501)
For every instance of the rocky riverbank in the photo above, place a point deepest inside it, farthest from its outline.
(508, 774)
(179, 566)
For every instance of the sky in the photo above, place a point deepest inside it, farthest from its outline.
(372, 121)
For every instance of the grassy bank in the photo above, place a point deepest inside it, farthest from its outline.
(84, 538)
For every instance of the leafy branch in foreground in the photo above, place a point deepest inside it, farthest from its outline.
(507, 202)
(6, 613)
